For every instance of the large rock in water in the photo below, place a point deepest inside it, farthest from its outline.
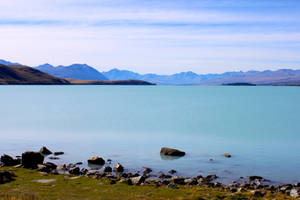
(31, 159)
(171, 152)
(96, 160)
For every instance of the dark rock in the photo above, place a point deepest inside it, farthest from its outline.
(211, 177)
(165, 182)
(253, 178)
(9, 161)
(286, 188)
(171, 152)
(233, 189)
(118, 168)
(84, 171)
(53, 158)
(107, 169)
(227, 155)
(58, 153)
(178, 180)
(5, 176)
(71, 165)
(79, 163)
(217, 184)
(96, 160)
(126, 181)
(138, 180)
(172, 171)
(147, 170)
(75, 171)
(190, 181)
(164, 176)
(31, 159)
(47, 167)
(44, 150)
(297, 184)
(112, 182)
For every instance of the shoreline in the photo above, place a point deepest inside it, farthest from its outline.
(117, 173)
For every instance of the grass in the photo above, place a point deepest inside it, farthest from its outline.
(67, 187)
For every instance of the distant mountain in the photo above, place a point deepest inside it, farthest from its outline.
(279, 77)
(4, 62)
(22, 75)
(75, 71)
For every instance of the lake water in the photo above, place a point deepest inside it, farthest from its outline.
(259, 126)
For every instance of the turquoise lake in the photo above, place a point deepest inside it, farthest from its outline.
(258, 126)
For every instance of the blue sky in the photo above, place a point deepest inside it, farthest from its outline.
(166, 36)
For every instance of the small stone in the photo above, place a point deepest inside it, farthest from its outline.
(227, 155)
(44, 150)
(53, 158)
(118, 168)
(107, 169)
(257, 193)
(172, 171)
(58, 153)
(138, 180)
(178, 180)
(75, 171)
(79, 163)
(147, 170)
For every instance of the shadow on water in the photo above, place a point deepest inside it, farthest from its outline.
(164, 157)
(95, 167)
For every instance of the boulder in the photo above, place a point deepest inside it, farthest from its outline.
(44, 150)
(118, 168)
(9, 161)
(171, 152)
(96, 160)
(31, 159)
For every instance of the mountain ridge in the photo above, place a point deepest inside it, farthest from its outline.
(74, 71)
(266, 77)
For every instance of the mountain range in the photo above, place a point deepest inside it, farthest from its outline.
(75, 71)
(86, 72)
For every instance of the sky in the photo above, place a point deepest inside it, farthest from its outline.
(153, 36)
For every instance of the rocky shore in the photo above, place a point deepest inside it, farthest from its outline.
(117, 173)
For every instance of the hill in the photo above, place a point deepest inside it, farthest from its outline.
(22, 75)
(75, 71)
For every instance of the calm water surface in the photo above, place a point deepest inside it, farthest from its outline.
(259, 126)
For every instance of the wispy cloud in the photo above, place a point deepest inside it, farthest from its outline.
(159, 36)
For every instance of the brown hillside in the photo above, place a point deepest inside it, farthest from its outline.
(22, 75)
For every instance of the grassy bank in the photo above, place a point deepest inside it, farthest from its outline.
(26, 186)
